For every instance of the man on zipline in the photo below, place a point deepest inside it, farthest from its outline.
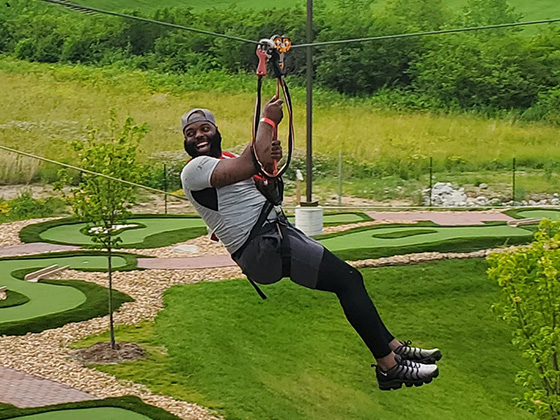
(226, 192)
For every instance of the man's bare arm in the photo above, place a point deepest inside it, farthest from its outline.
(230, 171)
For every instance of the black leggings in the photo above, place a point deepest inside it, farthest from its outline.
(347, 283)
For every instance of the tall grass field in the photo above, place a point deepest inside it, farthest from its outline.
(45, 107)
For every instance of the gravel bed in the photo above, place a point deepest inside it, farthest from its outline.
(9, 232)
(204, 244)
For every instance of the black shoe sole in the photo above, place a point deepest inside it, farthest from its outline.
(398, 383)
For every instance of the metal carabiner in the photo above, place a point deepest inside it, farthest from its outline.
(265, 49)
(282, 45)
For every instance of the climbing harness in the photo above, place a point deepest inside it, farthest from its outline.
(272, 51)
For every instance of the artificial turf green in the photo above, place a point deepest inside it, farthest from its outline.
(295, 357)
(47, 299)
(152, 231)
(13, 299)
(126, 404)
(533, 212)
(94, 305)
(540, 214)
(134, 237)
(335, 219)
(125, 261)
(377, 242)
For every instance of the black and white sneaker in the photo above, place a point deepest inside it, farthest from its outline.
(405, 372)
(416, 354)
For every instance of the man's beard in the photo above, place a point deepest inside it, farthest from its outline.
(215, 146)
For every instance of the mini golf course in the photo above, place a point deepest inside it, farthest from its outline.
(379, 241)
(144, 232)
(33, 307)
(48, 298)
(539, 214)
(27, 301)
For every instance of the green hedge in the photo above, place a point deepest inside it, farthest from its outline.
(128, 403)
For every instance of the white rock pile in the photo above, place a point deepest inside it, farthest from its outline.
(445, 194)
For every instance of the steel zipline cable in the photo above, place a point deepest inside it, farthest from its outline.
(439, 32)
(87, 171)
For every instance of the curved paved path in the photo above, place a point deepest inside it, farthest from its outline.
(25, 391)
(34, 248)
(443, 218)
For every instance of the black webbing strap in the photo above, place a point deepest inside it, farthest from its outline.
(254, 231)
(285, 250)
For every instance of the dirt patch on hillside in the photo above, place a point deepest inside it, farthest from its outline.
(102, 353)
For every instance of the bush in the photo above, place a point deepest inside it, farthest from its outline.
(26, 207)
(529, 278)
(490, 71)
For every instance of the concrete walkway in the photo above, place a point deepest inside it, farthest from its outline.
(25, 391)
(34, 248)
(442, 218)
(186, 263)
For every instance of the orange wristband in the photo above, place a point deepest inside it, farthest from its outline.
(269, 122)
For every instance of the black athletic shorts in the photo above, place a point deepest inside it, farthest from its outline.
(261, 258)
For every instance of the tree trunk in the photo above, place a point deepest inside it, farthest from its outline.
(111, 322)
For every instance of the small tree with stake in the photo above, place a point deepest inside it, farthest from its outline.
(102, 202)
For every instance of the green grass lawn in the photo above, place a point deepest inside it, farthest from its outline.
(295, 357)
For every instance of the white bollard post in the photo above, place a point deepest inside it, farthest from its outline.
(309, 219)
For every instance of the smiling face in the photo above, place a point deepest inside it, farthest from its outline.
(202, 138)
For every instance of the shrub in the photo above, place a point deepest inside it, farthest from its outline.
(529, 278)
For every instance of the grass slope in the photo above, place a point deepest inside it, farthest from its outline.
(82, 95)
(295, 357)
